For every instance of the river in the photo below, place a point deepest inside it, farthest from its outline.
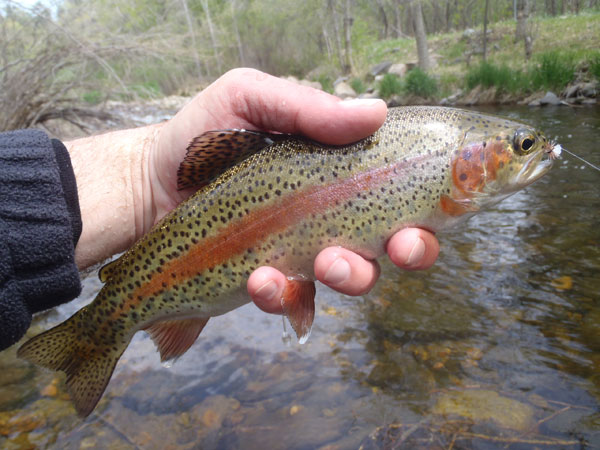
(496, 346)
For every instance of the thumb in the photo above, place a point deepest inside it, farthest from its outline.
(273, 104)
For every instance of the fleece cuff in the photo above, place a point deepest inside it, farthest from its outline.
(40, 224)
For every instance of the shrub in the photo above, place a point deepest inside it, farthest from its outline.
(358, 85)
(419, 83)
(326, 83)
(554, 71)
(503, 78)
(594, 62)
(390, 85)
(92, 97)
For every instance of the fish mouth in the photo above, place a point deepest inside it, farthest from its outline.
(536, 166)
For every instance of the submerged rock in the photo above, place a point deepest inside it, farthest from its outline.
(486, 406)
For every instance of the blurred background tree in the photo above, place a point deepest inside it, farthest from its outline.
(59, 56)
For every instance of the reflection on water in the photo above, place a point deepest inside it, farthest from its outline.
(497, 346)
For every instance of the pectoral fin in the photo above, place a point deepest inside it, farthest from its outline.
(299, 306)
(174, 337)
(457, 207)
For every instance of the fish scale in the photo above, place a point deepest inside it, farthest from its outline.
(278, 205)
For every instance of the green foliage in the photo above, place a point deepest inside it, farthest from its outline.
(326, 83)
(92, 97)
(149, 89)
(418, 82)
(552, 71)
(358, 85)
(390, 85)
(503, 78)
(555, 71)
(594, 63)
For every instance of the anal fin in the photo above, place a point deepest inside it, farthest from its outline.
(298, 304)
(174, 337)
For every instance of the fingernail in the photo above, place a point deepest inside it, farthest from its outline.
(416, 253)
(361, 102)
(267, 291)
(338, 272)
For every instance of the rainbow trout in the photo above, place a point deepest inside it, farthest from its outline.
(278, 200)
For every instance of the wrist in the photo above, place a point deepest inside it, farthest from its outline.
(115, 194)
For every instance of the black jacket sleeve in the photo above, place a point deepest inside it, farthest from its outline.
(40, 224)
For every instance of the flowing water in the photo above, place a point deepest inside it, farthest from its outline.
(497, 346)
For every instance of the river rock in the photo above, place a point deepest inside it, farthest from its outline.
(550, 99)
(344, 90)
(479, 96)
(312, 84)
(374, 94)
(341, 79)
(380, 68)
(292, 78)
(571, 91)
(481, 405)
(452, 99)
(589, 89)
(303, 82)
(399, 69)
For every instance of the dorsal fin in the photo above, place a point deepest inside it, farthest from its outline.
(107, 270)
(213, 152)
(174, 337)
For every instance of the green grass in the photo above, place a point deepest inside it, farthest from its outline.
(390, 85)
(326, 83)
(148, 89)
(502, 77)
(358, 85)
(554, 71)
(418, 82)
(549, 71)
(92, 97)
(594, 63)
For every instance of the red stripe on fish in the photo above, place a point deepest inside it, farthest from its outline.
(239, 235)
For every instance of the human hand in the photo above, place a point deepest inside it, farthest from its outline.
(246, 98)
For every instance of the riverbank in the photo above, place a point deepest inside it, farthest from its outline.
(565, 61)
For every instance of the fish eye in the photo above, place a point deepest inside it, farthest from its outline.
(524, 141)
(527, 143)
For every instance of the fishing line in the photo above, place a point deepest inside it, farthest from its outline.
(579, 157)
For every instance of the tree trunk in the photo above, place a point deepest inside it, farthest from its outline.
(397, 20)
(332, 7)
(348, 20)
(420, 35)
(192, 32)
(384, 34)
(485, 22)
(551, 7)
(448, 16)
(236, 31)
(522, 31)
(213, 37)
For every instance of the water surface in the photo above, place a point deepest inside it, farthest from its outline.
(497, 346)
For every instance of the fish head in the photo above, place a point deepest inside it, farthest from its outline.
(491, 165)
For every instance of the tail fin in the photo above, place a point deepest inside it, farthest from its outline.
(87, 365)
